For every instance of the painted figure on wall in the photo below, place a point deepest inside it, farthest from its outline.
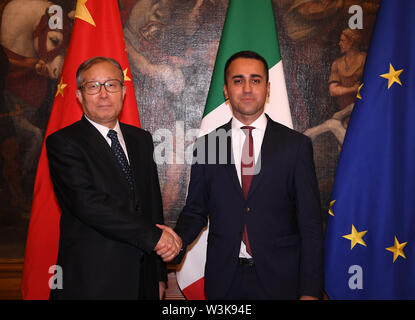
(344, 84)
(309, 32)
(35, 54)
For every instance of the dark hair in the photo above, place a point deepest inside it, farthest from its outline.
(246, 55)
(93, 61)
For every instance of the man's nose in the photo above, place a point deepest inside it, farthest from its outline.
(247, 87)
(103, 93)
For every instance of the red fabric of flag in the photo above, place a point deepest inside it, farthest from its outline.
(97, 31)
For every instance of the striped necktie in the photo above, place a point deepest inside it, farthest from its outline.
(122, 159)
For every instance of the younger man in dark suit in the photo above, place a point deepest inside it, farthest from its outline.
(265, 236)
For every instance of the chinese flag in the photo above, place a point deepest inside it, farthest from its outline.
(97, 31)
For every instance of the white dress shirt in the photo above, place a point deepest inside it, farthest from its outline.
(104, 131)
(238, 139)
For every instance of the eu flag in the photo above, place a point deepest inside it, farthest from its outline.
(370, 237)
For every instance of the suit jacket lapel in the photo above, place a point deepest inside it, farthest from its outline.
(95, 140)
(100, 147)
(230, 164)
(134, 157)
(267, 147)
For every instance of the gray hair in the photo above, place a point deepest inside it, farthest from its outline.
(92, 61)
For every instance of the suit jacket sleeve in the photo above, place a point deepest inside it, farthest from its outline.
(157, 208)
(309, 222)
(153, 269)
(194, 216)
(110, 215)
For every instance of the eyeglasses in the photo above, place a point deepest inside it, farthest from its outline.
(94, 87)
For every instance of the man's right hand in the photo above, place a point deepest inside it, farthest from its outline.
(169, 245)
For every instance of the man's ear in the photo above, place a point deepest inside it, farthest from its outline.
(225, 92)
(124, 90)
(79, 96)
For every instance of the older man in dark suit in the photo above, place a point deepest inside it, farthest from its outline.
(106, 183)
(255, 181)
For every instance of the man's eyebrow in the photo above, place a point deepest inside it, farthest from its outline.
(253, 75)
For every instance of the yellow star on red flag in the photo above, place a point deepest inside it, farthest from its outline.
(82, 12)
(126, 78)
(397, 249)
(60, 88)
(392, 76)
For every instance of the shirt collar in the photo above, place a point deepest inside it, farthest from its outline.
(103, 129)
(260, 123)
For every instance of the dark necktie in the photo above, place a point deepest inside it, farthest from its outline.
(247, 170)
(120, 155)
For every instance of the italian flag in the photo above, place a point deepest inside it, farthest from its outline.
(249, 25)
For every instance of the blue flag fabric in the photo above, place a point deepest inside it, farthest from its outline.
(370, 237)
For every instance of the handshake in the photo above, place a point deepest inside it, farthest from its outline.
(169, 245)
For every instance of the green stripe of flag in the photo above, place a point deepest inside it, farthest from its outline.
(249, 25)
